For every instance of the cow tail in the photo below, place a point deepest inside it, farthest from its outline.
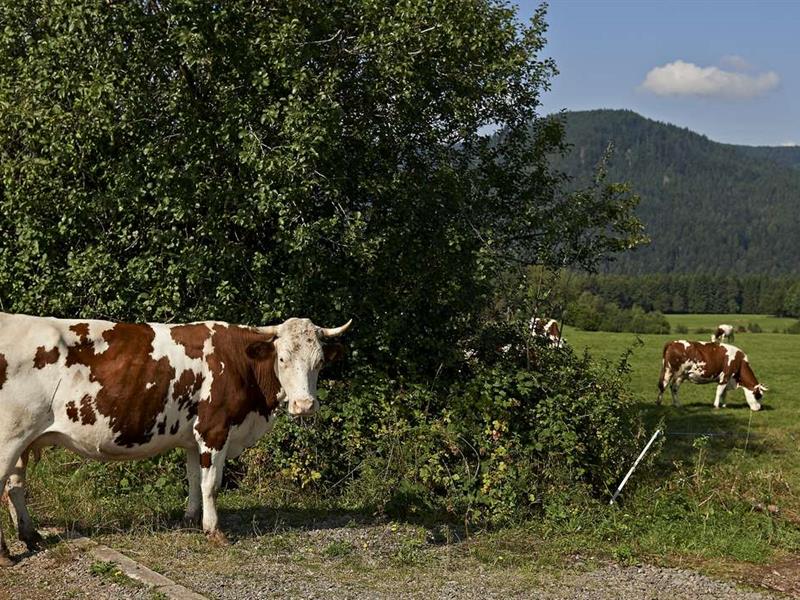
(661, 386)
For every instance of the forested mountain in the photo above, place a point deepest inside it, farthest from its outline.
(708, 207)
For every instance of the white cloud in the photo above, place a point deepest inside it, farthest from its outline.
(735, 62)
(681, 78)
(790, 144)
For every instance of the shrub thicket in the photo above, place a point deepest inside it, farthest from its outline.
(592, 313)
(493, 447)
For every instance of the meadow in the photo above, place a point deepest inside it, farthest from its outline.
(724, 486)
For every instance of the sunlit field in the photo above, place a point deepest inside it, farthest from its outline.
(743, 457)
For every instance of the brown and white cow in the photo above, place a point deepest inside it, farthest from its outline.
(547, 329)
(120, 391)
(708, 362)
(723, 333)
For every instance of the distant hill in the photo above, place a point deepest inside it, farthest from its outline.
(708, 207)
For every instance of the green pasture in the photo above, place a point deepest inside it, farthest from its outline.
(726, 481)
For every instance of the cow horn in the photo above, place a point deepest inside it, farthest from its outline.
(334, 331)
(270, 330)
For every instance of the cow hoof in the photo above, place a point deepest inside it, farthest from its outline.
(191, 521)
(6, 560)
(33, 541)
(217, 538)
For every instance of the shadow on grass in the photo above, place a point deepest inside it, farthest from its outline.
(720, 431)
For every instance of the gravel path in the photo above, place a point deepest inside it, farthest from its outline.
(64, 572)
(369, 561)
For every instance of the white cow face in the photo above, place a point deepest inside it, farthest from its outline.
(300, 354)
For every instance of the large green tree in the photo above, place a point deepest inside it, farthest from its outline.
(249, 161)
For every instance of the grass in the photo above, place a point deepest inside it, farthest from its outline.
(110, 571)
(705, 502)
(718, 470)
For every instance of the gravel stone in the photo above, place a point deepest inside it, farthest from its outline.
(338, 560)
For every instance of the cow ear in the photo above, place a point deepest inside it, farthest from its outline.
(260, 350)
(333, 352)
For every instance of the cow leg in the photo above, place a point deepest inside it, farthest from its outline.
(211, 463)
(663, 382)
(16, 506)
(192, 515)
(8, 458)
(5, 555)
(674, 391)
(720, 395)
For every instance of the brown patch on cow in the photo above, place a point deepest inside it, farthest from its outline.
(184, 391)
(244, 385)
(124, 371)
(205, 460)
(87, 412)
(45, 357)
(83, 349)
(3, 370)
(191, 337)
(744, 374)
(80, 329)
(72, 411)
(713, 356)
(186, 386)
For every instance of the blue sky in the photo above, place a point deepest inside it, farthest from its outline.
(728, 69)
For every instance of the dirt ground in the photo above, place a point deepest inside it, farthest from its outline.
(341, 559)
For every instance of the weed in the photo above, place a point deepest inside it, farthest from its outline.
(110, 571)
(409, 552)
(338, 549)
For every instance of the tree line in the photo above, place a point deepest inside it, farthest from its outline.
(689, 293)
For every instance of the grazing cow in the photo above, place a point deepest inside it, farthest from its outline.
(724, 333)
(548, 330)
(120, 391)
(707, 362)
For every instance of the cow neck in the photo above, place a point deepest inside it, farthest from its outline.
(258, 375)
(747, 378)
(266, 379)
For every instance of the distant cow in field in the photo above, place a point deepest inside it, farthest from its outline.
(708, 362)
(121, 391)
(547, 329)
(724, 333)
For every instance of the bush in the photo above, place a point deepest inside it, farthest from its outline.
(793, 328)
(592, 313)
(493, 447)
(754, 328)
(681, 328)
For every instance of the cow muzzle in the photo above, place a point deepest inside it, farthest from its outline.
(303, 408)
